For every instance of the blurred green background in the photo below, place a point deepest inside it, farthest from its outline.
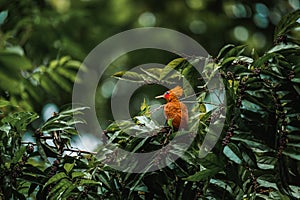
(45, 30)
(49, 28)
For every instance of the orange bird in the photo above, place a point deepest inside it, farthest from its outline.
(174, 109)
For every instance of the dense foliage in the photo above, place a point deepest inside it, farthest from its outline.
(257, 156)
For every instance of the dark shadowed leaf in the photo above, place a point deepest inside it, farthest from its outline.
(233, 153)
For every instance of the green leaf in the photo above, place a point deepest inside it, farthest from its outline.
(211, 161)
(233, 53)
(41, 151)
(283, 47)
(61, 81)
(287, 22)
(203, 175)
(171, 66)
(260, 62)
(56, 178)
(29, 169)
(169, 122)
(221, 184)
(296, 80)
(292, 154)
(13, 62)
(18, 155)
(76, 110)
(88, 182)
(240, 70)
(232, 152)
(5, 128)
(146, 121)
(224, 50)
(69, 166)
(3, 16)
(32, 188)
(48, 85)
(105, 179)
(151, 73)
(248, 155)
(4, 103)
(68, 74)
(68, 191)
(31, 179)
(77, 174)
(268, 181)
(140, 144)
(145, 108)
(266, 162)
(18, 195)
(20, 120)
(9, 83)
(129, 76)
(59, 189)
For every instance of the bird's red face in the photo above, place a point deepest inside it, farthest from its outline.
(167, 95)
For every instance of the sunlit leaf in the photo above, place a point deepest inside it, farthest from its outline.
(18, 155)
(4, 103)
(129, 76)
(56, 178)
(203, 175)
(233, 153)
(3, 16)
(69, 166)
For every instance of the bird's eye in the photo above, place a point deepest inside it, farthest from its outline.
(167, 95)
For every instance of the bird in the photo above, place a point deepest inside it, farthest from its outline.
(174, 109)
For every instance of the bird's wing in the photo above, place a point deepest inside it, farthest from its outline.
(178, 113)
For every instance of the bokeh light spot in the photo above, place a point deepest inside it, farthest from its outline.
(275, 17)
(241, 33)
(259, 40)
(195, 4)
(107, 88)
(261, 21)
(262, 9)
(295, 4)
(147, 19)
(239, 10)
(61, 5)
(197, 26)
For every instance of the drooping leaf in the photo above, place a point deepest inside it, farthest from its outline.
(3, 16)
(171, 66)
(18, 155)
(288, 22)
(232, 152)
(203, 175)
(55, 178)
(129, 76)
(4, 103)
(69, 166)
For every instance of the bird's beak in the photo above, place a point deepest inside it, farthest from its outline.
(160, 96)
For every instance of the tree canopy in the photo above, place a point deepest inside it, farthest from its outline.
(253, 51)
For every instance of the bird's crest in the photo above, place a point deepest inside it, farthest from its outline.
(178, 91)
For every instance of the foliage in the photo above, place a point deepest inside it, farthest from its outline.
(47, 30)
(29, 87)
(257, 157)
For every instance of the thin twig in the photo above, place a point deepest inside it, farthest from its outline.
(72, 150)
(46, 137)
(156, 109)
(80, 151)
(203, 102)
(27, 142)
(192, 95)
